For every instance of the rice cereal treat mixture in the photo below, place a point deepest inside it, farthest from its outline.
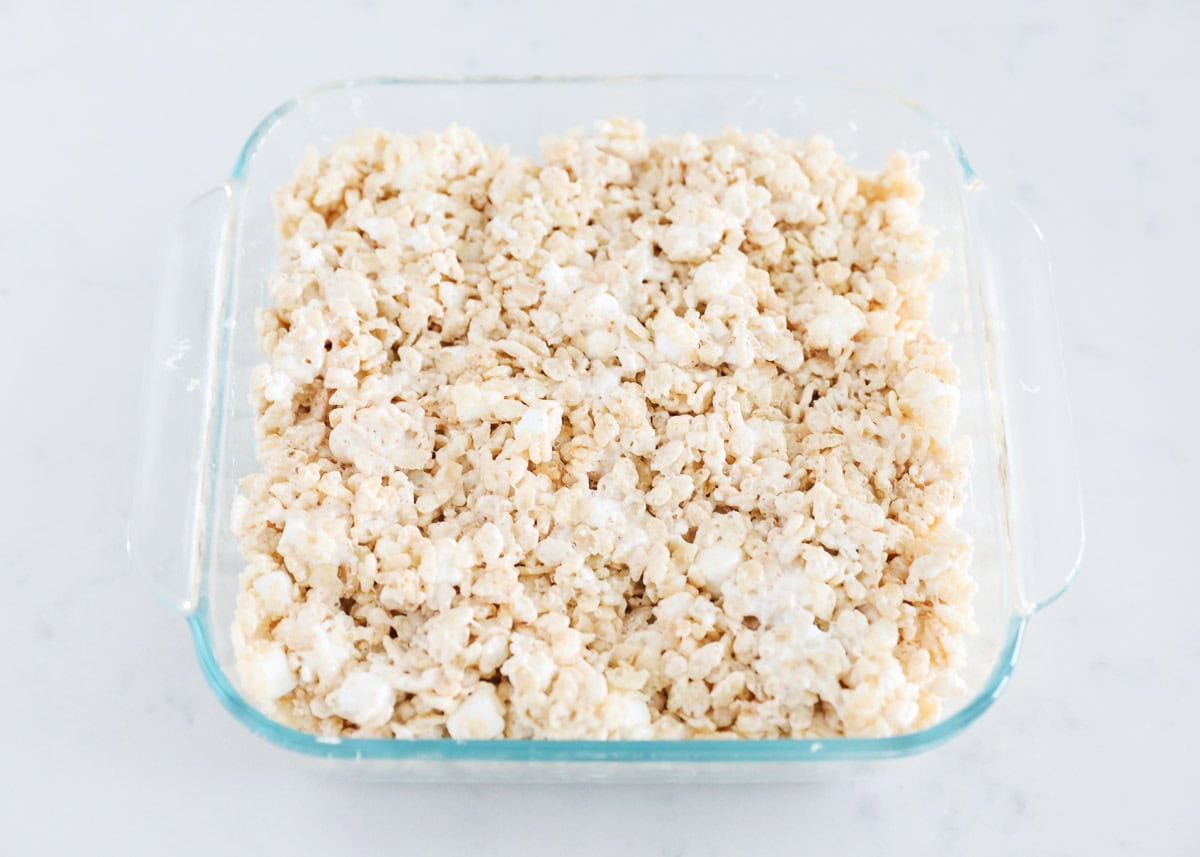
(650, 438)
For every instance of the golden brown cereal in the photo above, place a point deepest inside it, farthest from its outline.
(648, 439)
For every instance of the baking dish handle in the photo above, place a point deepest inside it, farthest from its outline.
(1045, 505)
(166, 529)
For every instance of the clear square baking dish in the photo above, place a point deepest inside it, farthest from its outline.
(994, 305)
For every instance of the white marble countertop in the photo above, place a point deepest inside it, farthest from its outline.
(115, 114)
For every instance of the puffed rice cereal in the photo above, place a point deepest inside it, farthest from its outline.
(648, 439)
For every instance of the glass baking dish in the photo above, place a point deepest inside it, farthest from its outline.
(994, 305)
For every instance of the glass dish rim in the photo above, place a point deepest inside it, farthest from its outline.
(689, 750)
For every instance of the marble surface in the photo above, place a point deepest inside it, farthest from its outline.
(115, 114)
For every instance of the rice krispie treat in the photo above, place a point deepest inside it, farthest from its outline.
(650, 438)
